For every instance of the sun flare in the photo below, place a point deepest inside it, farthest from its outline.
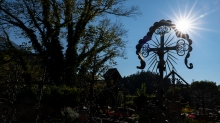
(183, 25)
(186, 19)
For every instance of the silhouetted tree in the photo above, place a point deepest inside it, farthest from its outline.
(204, 93)
(81, 25)
(19, 63)
(218, 96)
(135, 81)
(140, 100)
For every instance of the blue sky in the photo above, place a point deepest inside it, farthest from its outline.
(205, 34)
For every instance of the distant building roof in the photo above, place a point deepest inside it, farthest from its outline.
(112, 74)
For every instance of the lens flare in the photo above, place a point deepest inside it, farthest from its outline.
(183, 25)
(186, 18)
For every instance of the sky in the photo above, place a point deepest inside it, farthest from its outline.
(204, 31)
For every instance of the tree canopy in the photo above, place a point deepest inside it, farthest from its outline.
(209, 88)
(68, 34)
(204, 93)
(135, 81)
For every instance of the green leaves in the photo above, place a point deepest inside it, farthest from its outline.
(142, 90)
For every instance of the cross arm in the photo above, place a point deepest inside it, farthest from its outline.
(165, 48)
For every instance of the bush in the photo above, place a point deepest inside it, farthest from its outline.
(64, 95)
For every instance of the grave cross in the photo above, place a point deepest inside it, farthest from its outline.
(161, 28)
(142, 49)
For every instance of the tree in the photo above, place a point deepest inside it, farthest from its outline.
(204, 93)
(49, 24)
(18, 64)
(218, 99)
(208, 87)
(135, 81)
(142, 90)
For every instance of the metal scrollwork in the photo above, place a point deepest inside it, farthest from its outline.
(162, 27)
(145, 50)
(162, 30)
(190, 66)
(181, 47)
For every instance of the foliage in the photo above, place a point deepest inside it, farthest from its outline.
(179, 93)
(135, 81)
(143, 85)
(142, 118)
(69, 114)
(130, 101)
(62, 95)
(187, 110)
(190, 120)
(218, 95)
(141, 99)
(204, 89)
(142, 90)
(205, 86)
(19, 65)
(67, 35)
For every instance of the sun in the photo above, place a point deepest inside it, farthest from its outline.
(183, 25)
(185, 18)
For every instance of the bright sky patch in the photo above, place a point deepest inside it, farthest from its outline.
(183, 25)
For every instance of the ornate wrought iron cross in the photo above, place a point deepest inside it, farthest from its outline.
(161, 48)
